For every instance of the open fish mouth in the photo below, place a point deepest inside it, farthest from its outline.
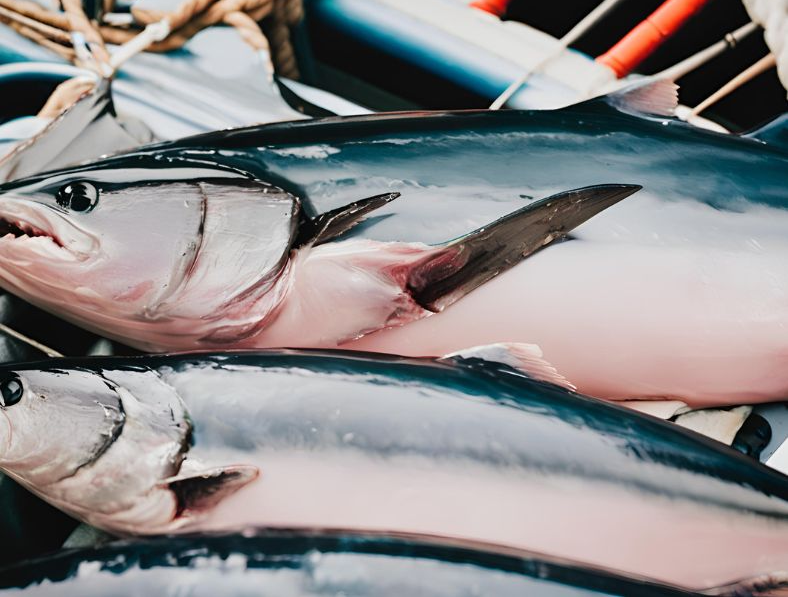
(28, 229)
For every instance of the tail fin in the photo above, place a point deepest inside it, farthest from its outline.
(466, 263)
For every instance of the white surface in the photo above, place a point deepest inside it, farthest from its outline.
(779, 460)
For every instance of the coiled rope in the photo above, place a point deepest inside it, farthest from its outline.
(79, 40)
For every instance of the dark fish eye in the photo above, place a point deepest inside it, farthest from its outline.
(11, 390)
(78, 196)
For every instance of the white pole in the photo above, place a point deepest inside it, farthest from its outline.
(743, 77)
(584, 25)
(687, 65)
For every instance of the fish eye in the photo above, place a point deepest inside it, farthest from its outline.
(11, 390)
(79, 196)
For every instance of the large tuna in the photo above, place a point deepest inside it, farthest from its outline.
(461, 448)
(680, 292)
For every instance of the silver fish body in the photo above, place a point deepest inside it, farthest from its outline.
(679, 293)
(464, 449)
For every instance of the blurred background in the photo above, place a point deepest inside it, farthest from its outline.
(408, 86)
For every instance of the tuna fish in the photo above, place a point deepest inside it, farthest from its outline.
(679, 293)
(234, 261)
(314, 564)
(463, 448)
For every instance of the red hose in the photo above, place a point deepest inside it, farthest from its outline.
(638, 44)
(496, 7)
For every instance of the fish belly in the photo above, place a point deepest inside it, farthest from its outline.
(703, 324)
(669, 539)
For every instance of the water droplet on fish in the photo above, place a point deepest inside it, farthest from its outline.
(313, 557)
(235, 561)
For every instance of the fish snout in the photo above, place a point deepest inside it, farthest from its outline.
(29, 227)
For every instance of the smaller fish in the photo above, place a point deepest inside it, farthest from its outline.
(312, 564)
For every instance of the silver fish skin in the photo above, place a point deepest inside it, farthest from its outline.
(653, 300)
(200, 257)
(463, 448)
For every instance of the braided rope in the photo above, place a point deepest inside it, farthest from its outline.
(56, 30)
(97, 58)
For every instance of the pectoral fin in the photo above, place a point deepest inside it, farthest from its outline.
(200, 491)
(331, 224)
(716, 423)
(452, 271)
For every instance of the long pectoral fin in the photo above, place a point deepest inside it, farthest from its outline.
(454, 270)
(202, 490)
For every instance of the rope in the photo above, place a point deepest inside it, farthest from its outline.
(285, 14)
(66, 95)
(86, 40)
(73, 36)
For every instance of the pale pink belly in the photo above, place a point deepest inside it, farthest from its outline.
(586, 521)
(628, 321)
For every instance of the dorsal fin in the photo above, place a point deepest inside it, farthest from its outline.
(774, 133)
(336, 222)
(458, 267)
(646, 97)
(526, 358)
(85, 130)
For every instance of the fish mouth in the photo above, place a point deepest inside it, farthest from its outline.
(27, 228)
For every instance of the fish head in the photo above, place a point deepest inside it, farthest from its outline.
(98, 444)
(54, 422)
(116, 246)
(109, 445)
